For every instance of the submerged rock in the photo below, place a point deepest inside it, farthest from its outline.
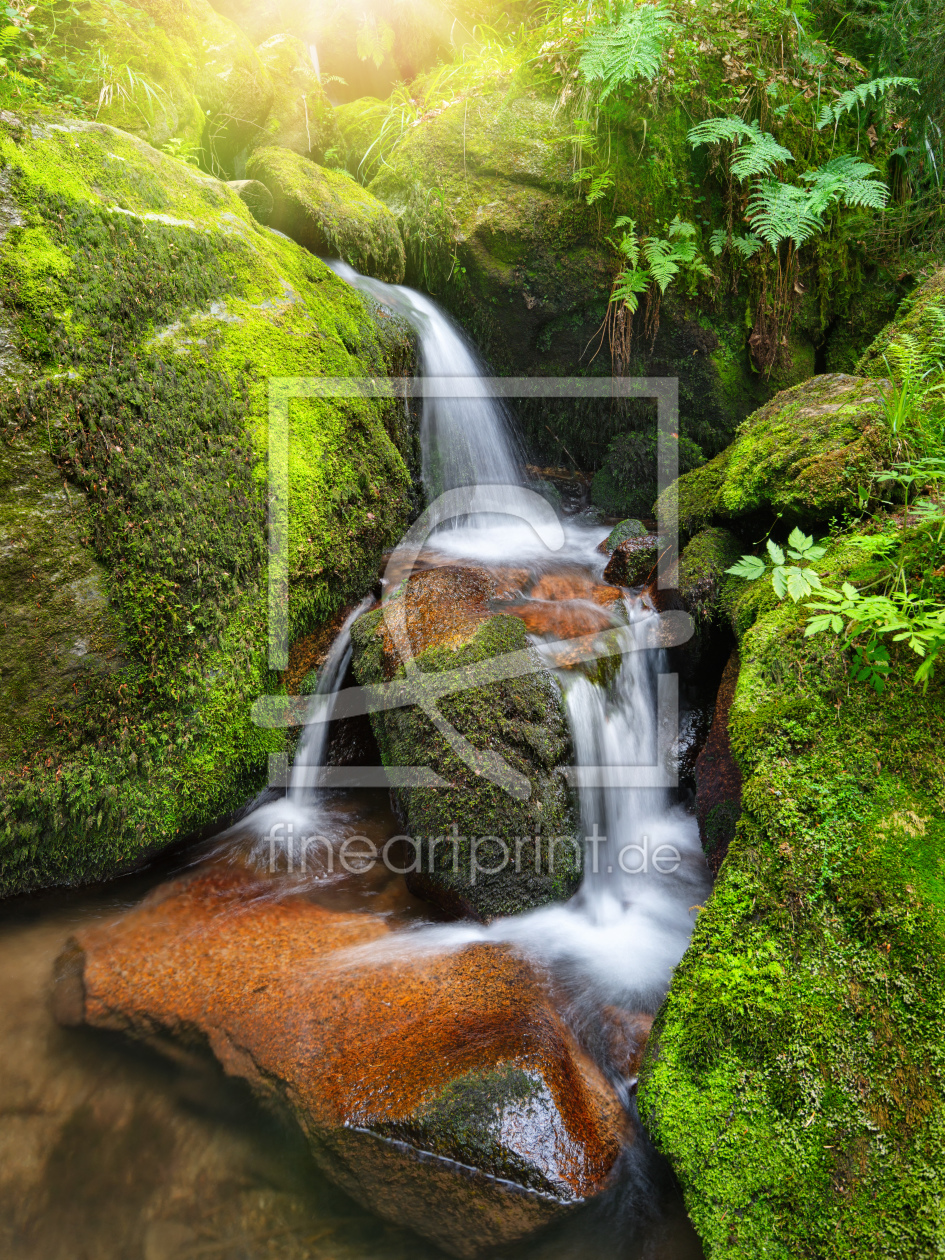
(145, 313)
(329, 213)
(438, 1088)
(525, 839)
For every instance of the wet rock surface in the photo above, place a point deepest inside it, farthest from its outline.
(718, 776)
(439, 1088)
(329, 213)
(514, 727)
(633, 560)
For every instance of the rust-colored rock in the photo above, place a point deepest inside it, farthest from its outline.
(718, 777)
(633, 561)
(440, 1089)
(626, 1036)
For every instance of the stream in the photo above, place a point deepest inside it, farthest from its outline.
(113, 1151)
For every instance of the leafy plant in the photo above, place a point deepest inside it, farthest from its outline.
(629, 49)
(797, 580)
(863, 619)
(375, 39)
(859, 95)
(664, 258)
(758, 153)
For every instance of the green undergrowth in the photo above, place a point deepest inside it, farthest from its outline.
(149, 314)
(797, 1080)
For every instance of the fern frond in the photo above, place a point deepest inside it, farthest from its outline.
(779, 212)
(860, 94)
(759, 155)
(630, 284)
(747, 246)
(630, 49)
(758, 152)
(846, 181)
(717, 130)
(718, 241)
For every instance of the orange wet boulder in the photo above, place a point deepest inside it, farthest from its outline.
(439, 1088)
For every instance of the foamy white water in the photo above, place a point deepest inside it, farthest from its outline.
(465, 441)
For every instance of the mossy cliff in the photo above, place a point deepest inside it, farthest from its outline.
(527, 844)
(144, 313)
(795, 1077)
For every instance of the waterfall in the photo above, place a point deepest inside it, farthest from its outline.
(619, 938)
(464, 441)
(313, 744)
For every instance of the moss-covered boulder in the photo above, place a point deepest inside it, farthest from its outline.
(329, 213)
(483, 851)
(633, 560)
(920, 320)
(804, 456)
(796, 1078)
(145, 313)
(702, 572)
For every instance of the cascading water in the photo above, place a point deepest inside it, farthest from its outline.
(621, 935)
(465, 441)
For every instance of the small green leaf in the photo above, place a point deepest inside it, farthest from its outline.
(750, 567)
(779, 582)
(775, 552)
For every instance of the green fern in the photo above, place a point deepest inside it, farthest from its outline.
(845, 181)
(631, 48)
(664, 258)
(758, 154)
(859, 95)
(779, 212)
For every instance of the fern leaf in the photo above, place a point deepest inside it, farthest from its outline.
(717, 130)
(779, 212)
(747, 246)
(717, 241)
(630, 284)
(759, 155)
(630, 49)
(860, 94)
(848, 181)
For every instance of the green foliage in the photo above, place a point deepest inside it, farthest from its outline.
(375, 39)
(630, 49)
(664, 257)
(758, 153)
(858, 96)
(861, 618)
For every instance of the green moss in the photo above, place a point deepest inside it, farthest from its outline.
(329, 213)
(914, 319)
(523, 721)
(702, 568)
(803, 457)
(145, 378)
(466, 1122)
(796, 1078)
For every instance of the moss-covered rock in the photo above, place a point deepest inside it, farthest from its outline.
(702, 568)
(796, 1078)
(803, 456)
(633, 560)
(329, 213)
(146, 313)
(473, 825)
(920, 316)
(630, 528)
